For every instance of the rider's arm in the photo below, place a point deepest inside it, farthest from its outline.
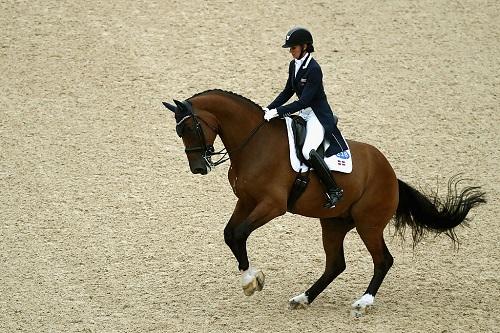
(312, 86)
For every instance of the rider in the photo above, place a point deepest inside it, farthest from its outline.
(306, 80)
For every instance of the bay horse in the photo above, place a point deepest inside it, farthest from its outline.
(261, 178)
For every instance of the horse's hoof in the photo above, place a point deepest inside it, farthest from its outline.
(257, 283)
(249, 289)
(260, 280)
(361, 306)
(359, 312)
(293, 305)
(298, 302)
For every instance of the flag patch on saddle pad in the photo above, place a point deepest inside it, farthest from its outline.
(345, 155)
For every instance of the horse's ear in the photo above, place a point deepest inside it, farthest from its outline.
(169, 106)
(179, 104)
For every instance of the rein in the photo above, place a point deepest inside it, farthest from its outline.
(224, 152)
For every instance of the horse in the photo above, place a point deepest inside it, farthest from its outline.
(261, 178)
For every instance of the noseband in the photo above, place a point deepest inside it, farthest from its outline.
(206, 150)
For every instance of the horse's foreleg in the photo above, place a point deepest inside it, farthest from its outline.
(334, 231)
(234, 242)
(236, 234)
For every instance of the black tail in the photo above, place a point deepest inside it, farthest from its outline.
(424, 214)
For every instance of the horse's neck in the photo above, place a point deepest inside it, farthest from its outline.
(236, 120)
(246, 141)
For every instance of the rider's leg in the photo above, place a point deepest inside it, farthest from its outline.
(333, 192)
(315, 136)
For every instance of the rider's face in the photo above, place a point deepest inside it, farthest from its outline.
(296, 50)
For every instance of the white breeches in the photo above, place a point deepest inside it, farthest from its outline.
(315, 131)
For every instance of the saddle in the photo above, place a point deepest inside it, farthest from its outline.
(299, 129)
(341, 161)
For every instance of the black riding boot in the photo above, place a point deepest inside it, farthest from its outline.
(333, 192)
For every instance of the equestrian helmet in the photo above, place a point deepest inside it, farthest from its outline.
(297, 36)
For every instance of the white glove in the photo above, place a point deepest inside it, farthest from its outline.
(270, 114)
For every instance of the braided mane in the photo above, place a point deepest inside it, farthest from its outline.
(227, 93)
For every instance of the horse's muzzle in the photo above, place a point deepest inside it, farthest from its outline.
(201, 171)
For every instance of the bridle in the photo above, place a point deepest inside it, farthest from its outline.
(207, 151)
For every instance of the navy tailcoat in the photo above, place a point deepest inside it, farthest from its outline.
(308, 85)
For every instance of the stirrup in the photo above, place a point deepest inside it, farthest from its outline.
(333, 197)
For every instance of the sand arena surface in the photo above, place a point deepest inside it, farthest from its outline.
(104, 229)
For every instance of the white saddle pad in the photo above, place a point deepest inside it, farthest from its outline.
(341, 162)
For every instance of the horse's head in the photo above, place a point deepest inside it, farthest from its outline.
(197, 134)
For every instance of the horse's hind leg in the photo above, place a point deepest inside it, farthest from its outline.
(373, 238)
(334, 231)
